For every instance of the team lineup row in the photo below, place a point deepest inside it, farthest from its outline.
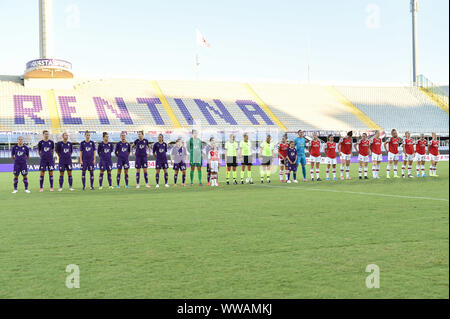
(291, 154)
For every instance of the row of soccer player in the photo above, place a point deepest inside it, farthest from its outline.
(290, 156)
(365, 147)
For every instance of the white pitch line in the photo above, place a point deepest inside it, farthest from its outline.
(356, 193)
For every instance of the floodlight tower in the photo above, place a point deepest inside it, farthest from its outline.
(414, 40)
(47, 72)
(45, 29)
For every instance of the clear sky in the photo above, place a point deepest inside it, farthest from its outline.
(349, 40)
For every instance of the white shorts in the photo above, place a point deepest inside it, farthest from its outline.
(408, 157)
(420, 157)
(214, 166)
(331, 161)
(345, 157)
(362, 158)
(313, 159)
(377, 157)
(393, 157)
(434, 158)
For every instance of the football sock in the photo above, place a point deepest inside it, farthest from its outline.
(146, 178)
(83, 178)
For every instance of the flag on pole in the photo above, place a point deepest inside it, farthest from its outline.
(201, 40)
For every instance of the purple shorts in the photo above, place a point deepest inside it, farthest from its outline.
(20, 168)
(87, 166)
(161, 165)
(141, 162)
(105, 165)
(292, 167)
(65, 167)
(179, 166)
(123, 163)
(47, 164)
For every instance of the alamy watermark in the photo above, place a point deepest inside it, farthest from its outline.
(373, 18)
(73, 279)
(373, 280)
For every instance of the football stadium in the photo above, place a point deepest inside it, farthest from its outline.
(144, 187)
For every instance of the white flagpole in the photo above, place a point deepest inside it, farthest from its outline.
(197, 66)
(308, 49)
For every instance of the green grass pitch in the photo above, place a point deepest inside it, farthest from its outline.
(310, 240)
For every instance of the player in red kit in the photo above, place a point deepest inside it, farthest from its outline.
(421, 154)
(330, 150)
(433, 150)
(391, 145)
(345, 147)
(315, 156)
(377, 156)
(408, 154)
(363, 149)
(282, 153)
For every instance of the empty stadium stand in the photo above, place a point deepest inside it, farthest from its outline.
(403, 108)
(114, 105)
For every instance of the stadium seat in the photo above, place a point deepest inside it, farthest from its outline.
(403, 108)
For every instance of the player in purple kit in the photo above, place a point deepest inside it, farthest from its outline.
(140, 147)
(179, 159)
(160, 154)
(46, 148)
(64, 150)
(87, 159)
(292, 162)
(123, 149)
(20, 153)
(105, 149)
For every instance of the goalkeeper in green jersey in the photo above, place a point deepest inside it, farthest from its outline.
(195, 156)
(245, 151)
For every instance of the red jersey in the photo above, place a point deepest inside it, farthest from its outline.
(421, 146)
(346, 145)
(282, 150)
(315, 148)
(434, 147)
(409, 146)
(363, 147)
(214, 155)
(393, 144)
(331, 150)
(375, 145)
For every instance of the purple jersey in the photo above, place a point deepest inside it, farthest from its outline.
(123, 150)
(20, 153)
(160, 149)
(88, 149)
(141, 147)
(46, 149)
(292, 154)
(105, 151)
(64, 151)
